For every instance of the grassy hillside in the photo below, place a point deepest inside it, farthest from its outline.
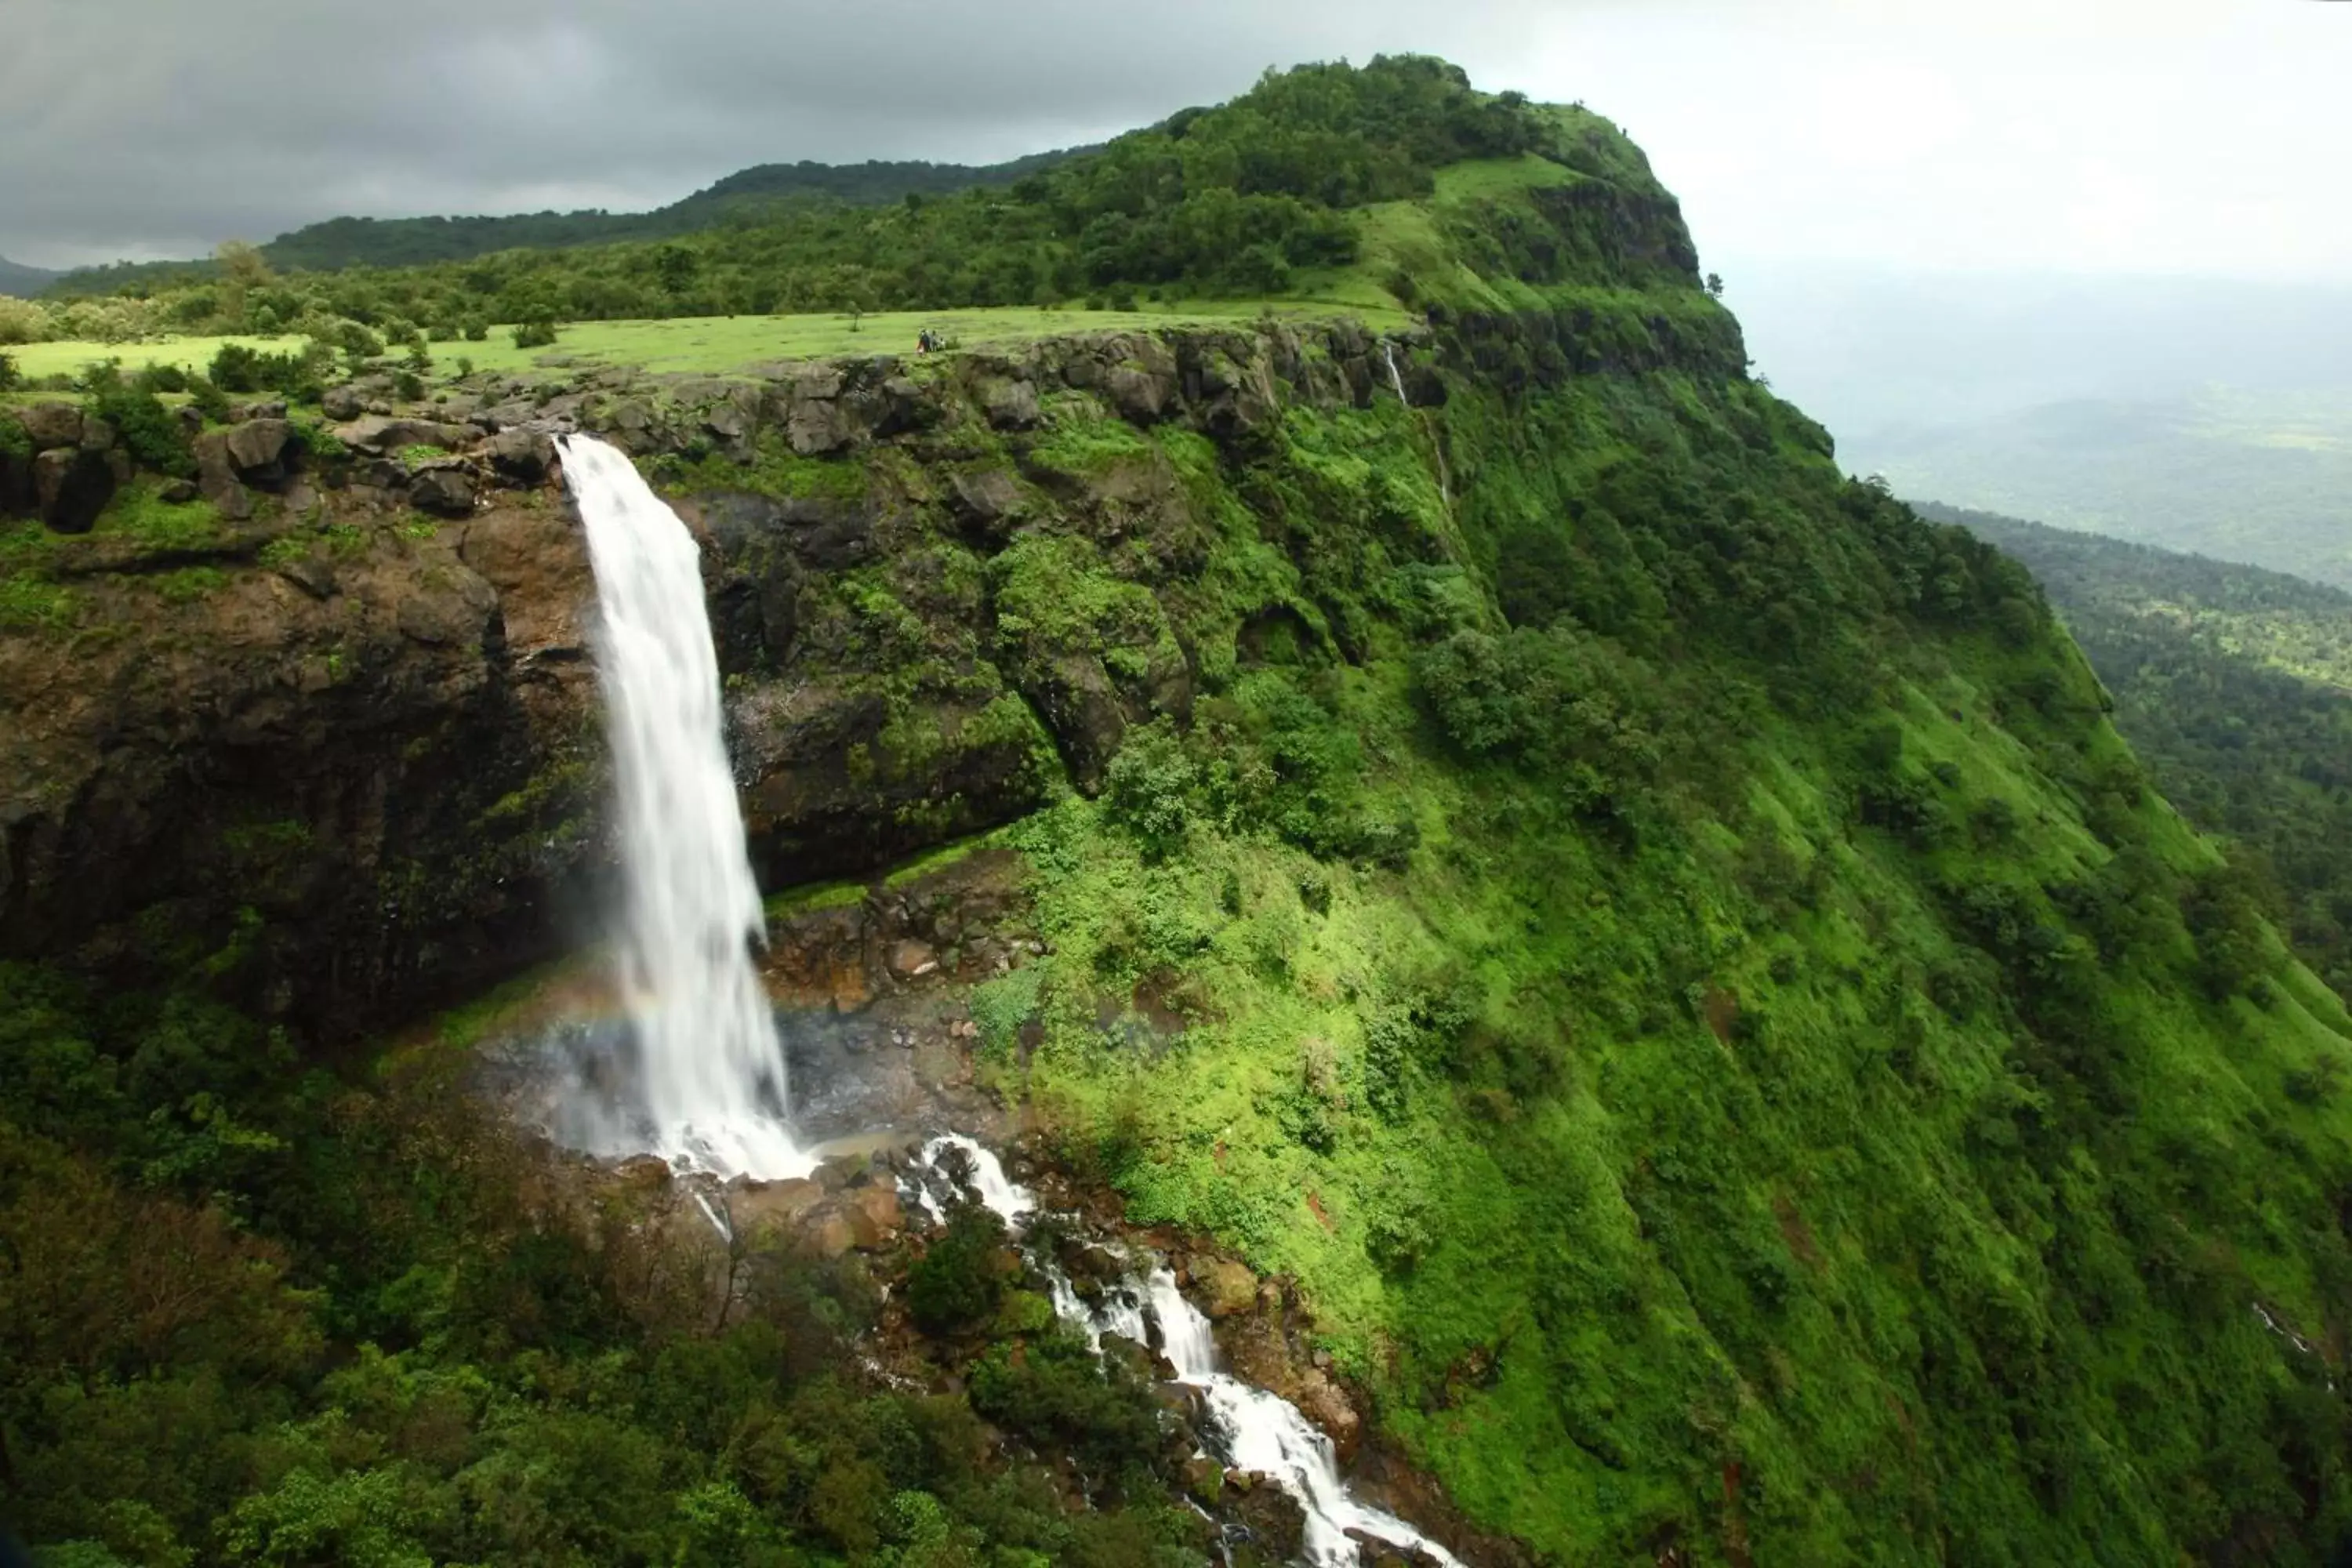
(2236, 685)
(1662, 945)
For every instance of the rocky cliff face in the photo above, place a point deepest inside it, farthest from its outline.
(325, 718)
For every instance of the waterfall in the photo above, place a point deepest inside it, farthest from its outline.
(1256, 1430)
(1437, 445)
(711, 1078)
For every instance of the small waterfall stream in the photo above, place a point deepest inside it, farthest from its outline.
(710, 1069)
(1436, 447)
(1256, 1430)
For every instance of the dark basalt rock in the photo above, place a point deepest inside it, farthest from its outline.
(51, 424)
(71, 487)
(444, 491)
(257, 451)
(217, 476)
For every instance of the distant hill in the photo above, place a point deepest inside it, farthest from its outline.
(24, 281)
(341, 242)
(2234, 685)
(2264, 479)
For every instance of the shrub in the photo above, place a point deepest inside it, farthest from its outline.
(7, 373)
(238, 368)
(144, 426)
(1057, 1389)
(537, 332)
(955, 1284)
(1147, 789)
(207, 399)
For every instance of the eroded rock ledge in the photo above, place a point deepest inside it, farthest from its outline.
(324, 717)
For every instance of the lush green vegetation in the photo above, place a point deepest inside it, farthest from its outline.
(1249, 199)
(748, 194)
(1660, 942)
(1678, 963)
(2236, 685)
(254, 1313)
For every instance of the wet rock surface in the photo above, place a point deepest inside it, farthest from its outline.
(395, 674)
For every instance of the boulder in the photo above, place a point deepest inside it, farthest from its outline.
(1320, 1401)
(1229, 1287)
(644, 1174)
(1010, 405)
(904, 406)
(1137, 395)
(911, 959)
(216, 479)
(825, 1232)
(874, 1213)
(97, 435)
(341, 403)
(51, 424)
(1268, 1517)
(177, 492)
(377, 434)
(266, 408)
(522, 455)
(442, 492)
(257, 449)
(754, 1208)
(985, 501)
(816, 426)
(71, 487)
(16, 482)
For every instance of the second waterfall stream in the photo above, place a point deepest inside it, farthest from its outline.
(1253, 1430)
(709, 1070)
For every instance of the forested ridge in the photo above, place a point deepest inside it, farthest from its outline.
(1650, 948)
(2235, 684)
(1243, 199)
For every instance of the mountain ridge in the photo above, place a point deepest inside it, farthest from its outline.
(1650, 956)
(24, 281)
(352, 240)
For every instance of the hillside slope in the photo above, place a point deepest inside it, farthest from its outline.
(24, 281)
(2236, 685)
(1656, 949)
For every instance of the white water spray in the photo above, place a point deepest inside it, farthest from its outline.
(1396, 377)
(712, 1068)
(1258, 1430)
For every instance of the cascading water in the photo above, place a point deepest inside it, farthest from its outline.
(1437, 448)
(1256, 1430)
(709, 1076)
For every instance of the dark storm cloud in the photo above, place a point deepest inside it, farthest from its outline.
(161, 127)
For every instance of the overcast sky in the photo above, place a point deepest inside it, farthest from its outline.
(2083, 136)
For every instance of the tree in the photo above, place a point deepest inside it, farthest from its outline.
(242, 270)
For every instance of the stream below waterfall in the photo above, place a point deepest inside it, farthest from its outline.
(695, 1070)
(1251, 1429)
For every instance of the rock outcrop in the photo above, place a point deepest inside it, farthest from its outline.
(937, 596)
